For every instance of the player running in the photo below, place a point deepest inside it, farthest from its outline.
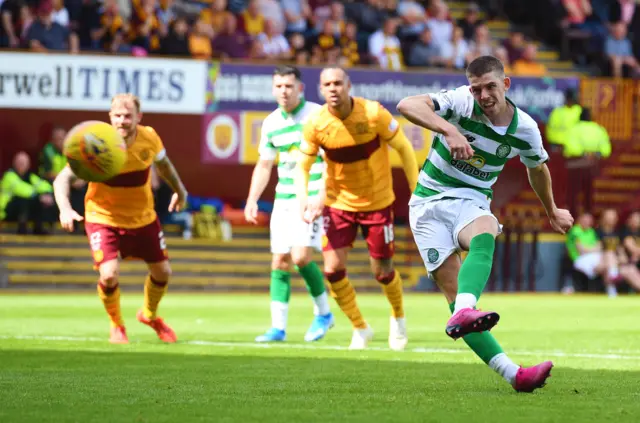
(476, 130)
(120, 218)
(292, 239)
(355, 134)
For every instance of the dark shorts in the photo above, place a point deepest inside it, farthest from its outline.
(341, 229)
(146, 243)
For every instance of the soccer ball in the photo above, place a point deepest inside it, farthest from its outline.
(95, 151)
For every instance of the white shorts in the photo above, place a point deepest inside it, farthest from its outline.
(436, 225)
(288, 230)
(587, 263)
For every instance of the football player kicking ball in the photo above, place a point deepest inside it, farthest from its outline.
(292, 239)
(355, 135)
(476, 130)
(120, 218)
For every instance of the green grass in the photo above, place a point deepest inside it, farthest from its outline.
(56, 365)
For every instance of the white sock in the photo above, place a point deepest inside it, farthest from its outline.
(612, 291)
(321, 305)
(504, 367)
(465, 301)
(613, 272)
(279, 312)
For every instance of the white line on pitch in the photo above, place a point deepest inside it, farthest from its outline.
(419, 350)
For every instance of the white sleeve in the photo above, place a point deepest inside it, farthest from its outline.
(535, 155)
(161, 155)
(458, 102)
(266, 149)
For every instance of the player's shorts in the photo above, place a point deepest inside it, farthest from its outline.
(288, 230)
(146, 243)
(436, 225)
(587, 263)
(341, 229)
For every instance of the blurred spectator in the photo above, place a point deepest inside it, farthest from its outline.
(11, 25)
(297, 13)
(200, 41)
(424, 52)
(453, 53)
(481, 44)
(501, 54)
(390, 8)
(25, 197)
(326, 40)
(470, 21)
(414, 17)
(527, 64)
(232, 42)
(237, 6)
(60, 14)
(166, 13)
(384, 46)
(619, 53)
(26, 19)
(584, 247)
(369, 16)
(514, 45)
(216, 15)
(580, 16)
(587, 138)
(112, 33)
(273, 44)
(439, 24)
(563, 118)
(252, 19)
(337, 18)
(630, 236)
(45, 35)
(272, 10)
(297, 43)
(349, 44)
(176, 43)
(146, 29)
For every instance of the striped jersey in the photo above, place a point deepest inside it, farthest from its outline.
(281, 136)
(443, 176)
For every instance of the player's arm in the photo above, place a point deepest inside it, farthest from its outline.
(169, 174)
(389, 130)
(307, 156)
(630, 243)
(61, 192)
(261, 173)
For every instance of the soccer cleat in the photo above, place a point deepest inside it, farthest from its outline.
(398, 334)
(165, 333)
(319, 327)
(529, 379)
(361, 338)
(272, 335)
(118, 335)
(468, 320)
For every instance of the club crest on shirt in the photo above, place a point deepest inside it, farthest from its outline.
(362, 128)
(503, 151)
(432, 255)
(144, 155)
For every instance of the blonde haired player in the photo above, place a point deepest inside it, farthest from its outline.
(355, 134)
(120, 218)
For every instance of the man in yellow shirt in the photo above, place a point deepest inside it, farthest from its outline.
(527, 65)
(563, 118)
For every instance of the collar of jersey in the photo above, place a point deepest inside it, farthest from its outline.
(513, 126)
(294, 111)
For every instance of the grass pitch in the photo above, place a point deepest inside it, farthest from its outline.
(57, 366)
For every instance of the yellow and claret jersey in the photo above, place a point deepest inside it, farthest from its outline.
(357, 155)
(126, 200)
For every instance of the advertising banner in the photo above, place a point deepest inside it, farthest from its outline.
(78, 82)
(248, 87)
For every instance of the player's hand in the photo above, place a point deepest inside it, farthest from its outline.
(46, 200)
(561, 220)
(314, 210)
(178, 202)
(67, 219)
(458, 144)
(251, 212)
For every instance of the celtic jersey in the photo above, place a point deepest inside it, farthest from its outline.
(281, 137)
(443, 176)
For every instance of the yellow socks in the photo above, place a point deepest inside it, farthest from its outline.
(110, 297)
(392, 287)
(153, 292)
(345, 295)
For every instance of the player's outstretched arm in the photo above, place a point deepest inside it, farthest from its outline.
(259, 181)
(540, 180)
(61, 192)
(168, 172)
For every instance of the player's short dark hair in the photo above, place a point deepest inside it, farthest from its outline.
(483, 65)
(585, 115)
(285, 70)
(337, 67)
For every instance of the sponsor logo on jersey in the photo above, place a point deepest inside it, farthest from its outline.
(477, 161)
(470, 138)
(470, 169)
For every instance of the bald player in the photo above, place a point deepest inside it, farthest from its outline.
(355, 134)
(121, 219)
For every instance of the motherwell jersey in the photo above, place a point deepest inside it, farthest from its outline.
(126, 200)
(356, 152)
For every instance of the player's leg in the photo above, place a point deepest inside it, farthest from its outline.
(104, 243)
(308, 237)
(280, 292)
(340, 232)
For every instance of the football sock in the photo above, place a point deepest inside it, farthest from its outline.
(392, 288)
(345, 295)
(153, 292)
(280, 290)
(110, 297)
(475, 271)
(314, 280)
(485, 346)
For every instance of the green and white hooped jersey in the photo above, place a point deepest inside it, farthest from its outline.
(442, 176)
(281, 135)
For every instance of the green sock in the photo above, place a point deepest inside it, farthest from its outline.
(476, 268)
(482, 343)
(280, 288)
(314, 278)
